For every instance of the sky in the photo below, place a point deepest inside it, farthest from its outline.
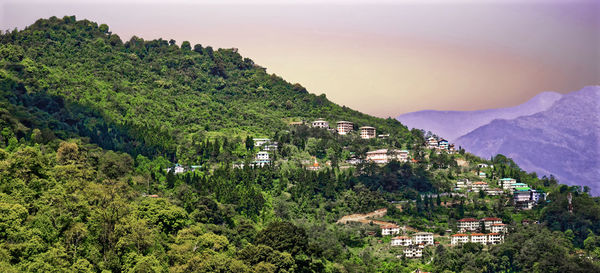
(383, 58)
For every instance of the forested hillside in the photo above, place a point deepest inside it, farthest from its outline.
(91, 129)
(151, 96)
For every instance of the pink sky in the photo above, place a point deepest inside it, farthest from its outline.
(385, 58)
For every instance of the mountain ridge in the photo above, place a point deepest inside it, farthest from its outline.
(562, 140)
(453, 124)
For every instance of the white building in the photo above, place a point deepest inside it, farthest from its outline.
(495, 238)
(495, 191)
(463, 183)
(413, 252)
(176, 169)
(262, 155)
(401, 241)
(432, 143)
(367, 132)
(270, 146)
(489, 221)
(482, 175)
(459, 239)
(390, 230)
(480, 186)
(479, 238)
(423, 238)
(522, 195)
(344, 127)
(497, 228)
(259, 163)
(260, 141)
(507, 183)
(468, 224)
(320, 124)
(383, 156)
(538, 195)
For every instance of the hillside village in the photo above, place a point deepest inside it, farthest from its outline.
(482, 182)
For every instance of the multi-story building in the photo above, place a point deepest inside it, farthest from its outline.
(320, 123)
(413, 252)
(270, 146)
(497, 228)
(367, 132)
(522, 194)
(459, 239)
(401, 241)
(519, 185)
(463, 184)
(479, 238)
(480, 186)
(344, 127)
(489, 221)
(443, 144)
(262, 155)
(491, 238)
(468, 224)
(494, 191)
(527, 198)
(260, 141)
(495, 238)
(423, 238)
(390, 230)
(432, 143)
(538, 195)
(507, 183)
(383, 156)
(176, 169)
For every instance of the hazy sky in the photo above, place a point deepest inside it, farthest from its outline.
(380, 57)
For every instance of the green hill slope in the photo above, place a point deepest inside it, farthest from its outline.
(154, 92)
(79, 109)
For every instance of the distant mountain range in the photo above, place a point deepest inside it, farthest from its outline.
(453, 124)
(560, 139)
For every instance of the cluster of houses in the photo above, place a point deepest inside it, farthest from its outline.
(345, 127)
(263, 157)
(441, 144)
(266, 146)
(487, 231)
(413, 245)
(523, 196)
(492, 225)
(467, 185)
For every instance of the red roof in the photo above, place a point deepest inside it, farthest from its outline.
(459, 235)
(468, 220)
(491, 219)
(498, 224)
(480, 183)
(389, 226)
(401, 237)
(477, 234)
(495, 233)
